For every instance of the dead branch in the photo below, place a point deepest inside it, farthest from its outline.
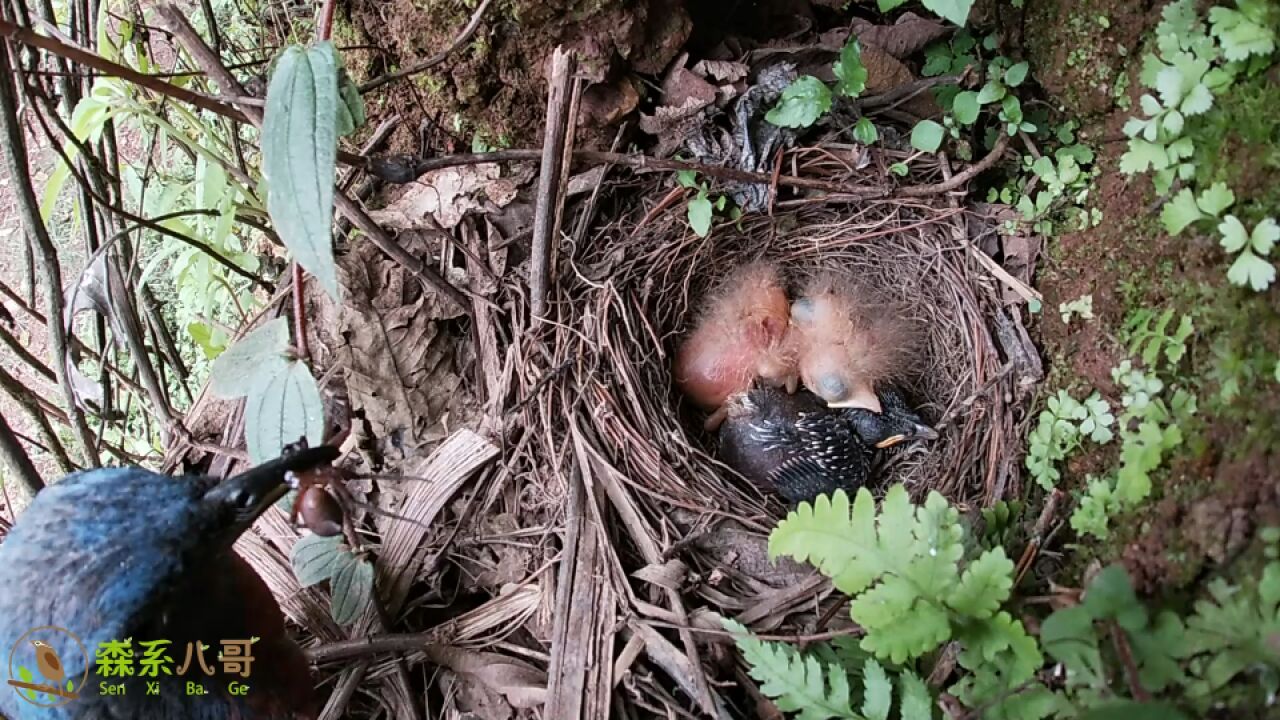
(17, 461)
(15, 154)
(550, 187)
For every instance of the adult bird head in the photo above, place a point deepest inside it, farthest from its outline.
(124, 553)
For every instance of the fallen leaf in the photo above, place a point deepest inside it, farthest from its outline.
(725, 71)
(682, 85)
(909, 35)
(522, 684)
(444, 195)
(885, 73)
(398, 365)
(607, 103)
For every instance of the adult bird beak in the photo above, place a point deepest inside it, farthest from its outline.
(256, 489)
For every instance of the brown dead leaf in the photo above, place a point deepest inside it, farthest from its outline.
(682, 85)
(607, 103)
(398, 366)
(910, 34)
(444, 195)
(724, 71)
(885, 72)
(521, 684)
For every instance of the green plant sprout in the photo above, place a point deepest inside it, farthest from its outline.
(1061, 427)
(701, 207)
(1250, 268)
(1081, 307)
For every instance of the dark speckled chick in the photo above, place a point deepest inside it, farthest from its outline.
(798, 447)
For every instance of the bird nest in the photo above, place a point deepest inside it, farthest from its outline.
(650, 514)
(632, 291)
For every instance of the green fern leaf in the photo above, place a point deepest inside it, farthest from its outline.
(796, 682)
(899, 624)
(917, 704)
(984, 585)
(877, 691)
(838, 539)
(937, 548)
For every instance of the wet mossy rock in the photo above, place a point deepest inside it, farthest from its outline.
(497, 82)
(1080, 49)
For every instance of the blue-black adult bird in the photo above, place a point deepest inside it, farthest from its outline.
(123, 553)
(800, 448)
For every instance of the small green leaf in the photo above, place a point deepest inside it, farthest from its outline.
(1014, 76)
(864, 131)
(899, 169)
(351, 589)
(1180, 212)
(260, 354)
(1234, 234)
(700, 214)
(887, 5)
(282, 409)
(927, 136)
(804, 101)
(851, 74)
(965, 107)
(1264, 236)
(314, 558)
(1216, 199)
(916, 704)
(1249, 270)
(993, 91)
(957, 11)
(299, 148)
(687, 178)
(351, 110)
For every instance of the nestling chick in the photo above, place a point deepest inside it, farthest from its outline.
(896, 424)
(846, 341)
(793, 444)
(742, 335)
(798, 447)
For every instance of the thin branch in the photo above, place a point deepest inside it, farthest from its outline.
(15, 155)
(961, 177)
(227, 83)
(30, 402)
(101, 64)
(436, 59)
(17, 461)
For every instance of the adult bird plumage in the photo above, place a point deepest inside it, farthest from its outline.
(123, 553)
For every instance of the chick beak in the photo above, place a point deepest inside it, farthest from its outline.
(891, 441)
(924, 432)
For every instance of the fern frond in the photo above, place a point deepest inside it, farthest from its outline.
(796, 682)
(984, 586)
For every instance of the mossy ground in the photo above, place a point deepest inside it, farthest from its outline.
(1218, 486)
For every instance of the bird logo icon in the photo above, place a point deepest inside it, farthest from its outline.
(49, 685)
(47, 662)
